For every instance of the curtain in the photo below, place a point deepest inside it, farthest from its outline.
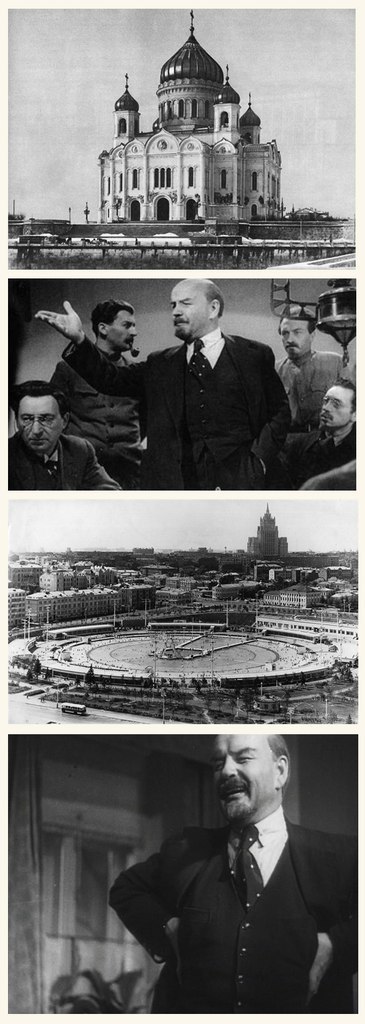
(25, 910)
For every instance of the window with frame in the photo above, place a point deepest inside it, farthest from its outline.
(78, 871)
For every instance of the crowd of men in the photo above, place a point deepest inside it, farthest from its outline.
(212, 413)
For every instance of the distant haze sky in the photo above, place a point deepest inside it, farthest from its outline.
(67, 69)
(168, 524)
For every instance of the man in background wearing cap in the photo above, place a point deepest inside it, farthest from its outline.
(305, 373)
(110, 423)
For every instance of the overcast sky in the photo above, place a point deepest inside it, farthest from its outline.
(67, 69)
(179, 523)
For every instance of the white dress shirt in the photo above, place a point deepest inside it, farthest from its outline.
(268, 847)
(213, 343)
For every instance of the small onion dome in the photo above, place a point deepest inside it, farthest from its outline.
(126, 102)
(191, 62)
(249, 118)
(227, 94)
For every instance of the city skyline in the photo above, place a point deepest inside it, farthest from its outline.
(173, 524)
(307, 104)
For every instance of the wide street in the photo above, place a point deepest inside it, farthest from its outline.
(30, 711)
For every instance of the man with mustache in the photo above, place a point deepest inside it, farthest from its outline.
(217, 413)
(111, 424)
(257, 917)
(305, 373)
(330, 447)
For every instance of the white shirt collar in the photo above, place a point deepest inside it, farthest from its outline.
(273, 824)
(211, 338)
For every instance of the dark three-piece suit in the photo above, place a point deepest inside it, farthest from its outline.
(237, 413)
(239, 961)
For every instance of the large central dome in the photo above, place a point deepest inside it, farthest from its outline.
(191, 62)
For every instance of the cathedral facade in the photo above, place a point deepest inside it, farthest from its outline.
(201, 158)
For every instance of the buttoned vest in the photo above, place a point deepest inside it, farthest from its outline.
(238, 962)
(216, 414)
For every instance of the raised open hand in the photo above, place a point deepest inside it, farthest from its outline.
(67, 323)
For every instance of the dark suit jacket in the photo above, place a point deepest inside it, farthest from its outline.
(79, 469)
(159, 384)
(150, 893)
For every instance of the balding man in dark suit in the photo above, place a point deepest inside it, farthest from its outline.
(257, 917)
(217, 413)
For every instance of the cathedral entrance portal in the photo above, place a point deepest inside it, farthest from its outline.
(191, 209)
(163, 209)
(135, 210)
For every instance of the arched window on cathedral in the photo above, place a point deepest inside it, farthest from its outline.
(135, 179)
(181, 108)
(254, 181)
(224, 119)
(206, 108)
(122, 127)
(156, 178)
(194, 108)
(223, 179)
(120, 183)
(253, 211)
(168, 177)
(247, 138)
(162, 177)
(108, 186)
(169, 110)
(190, 176)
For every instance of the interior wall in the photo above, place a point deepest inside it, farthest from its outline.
(166, 781)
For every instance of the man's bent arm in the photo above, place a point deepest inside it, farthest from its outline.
(103, 375)
(136, 898)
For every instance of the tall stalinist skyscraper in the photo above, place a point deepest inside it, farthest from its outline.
(267, 543)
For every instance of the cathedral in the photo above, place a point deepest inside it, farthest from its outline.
(201, 158)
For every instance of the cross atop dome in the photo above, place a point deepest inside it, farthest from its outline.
(191, 23)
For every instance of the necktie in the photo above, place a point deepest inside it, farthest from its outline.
(248, 875)
(198, 363)
(52, 468)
